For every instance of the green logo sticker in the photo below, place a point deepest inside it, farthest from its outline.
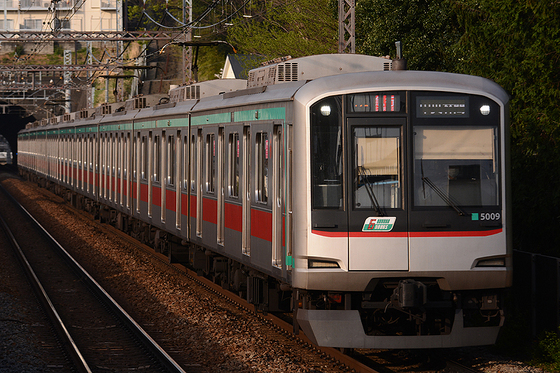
(379, 224)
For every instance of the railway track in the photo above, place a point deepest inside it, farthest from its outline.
(331, 357)
(94, 331)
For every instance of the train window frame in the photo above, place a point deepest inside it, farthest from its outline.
(128, 145)
(262, 174)
(246, 192)
(112, 165)
(376, 185)
(156, 159)
(463, 182)
(171, 161)
(472, 121)
(144, 161)
(210, 148)
(326, 133)
(192, 162)
(234, 165)
(186, 159)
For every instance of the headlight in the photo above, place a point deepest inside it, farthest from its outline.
(317, 263)
(491, 262)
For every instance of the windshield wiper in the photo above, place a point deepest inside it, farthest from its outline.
(443, 196)
(369, 189)
(447, 199)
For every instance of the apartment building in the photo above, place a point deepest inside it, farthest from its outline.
(63, 15)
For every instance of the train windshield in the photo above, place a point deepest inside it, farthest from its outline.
(326, 152)
(456, 166)
(377, 167)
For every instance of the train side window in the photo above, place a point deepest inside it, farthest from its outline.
(128, 169)
(157, 160)
(186, 162)
(210, 163)
(233, 174)
(262, 152)
(114, 154)
(144, 158)
(192, 163)
(171, 160)
(118, 155)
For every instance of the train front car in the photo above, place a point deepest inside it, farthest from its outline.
(401, 235)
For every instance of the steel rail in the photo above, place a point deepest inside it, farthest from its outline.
(66, 339)
(281, 325)
(132, 325)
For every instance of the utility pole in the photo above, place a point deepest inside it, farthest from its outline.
(119, 88)
(67, 81)
(346, 26)
(187, 51)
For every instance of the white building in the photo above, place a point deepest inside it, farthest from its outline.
(73, 15)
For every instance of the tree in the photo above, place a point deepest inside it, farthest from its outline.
(427, 29)
(287, 27)
(517, 44)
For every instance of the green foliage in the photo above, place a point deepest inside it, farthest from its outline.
(211, 61)
(427, 29)
(58, 50)
(517, 44)
(282, 28)
(20, 50)
(547, 353)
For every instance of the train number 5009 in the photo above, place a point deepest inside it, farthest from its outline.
(490, 216)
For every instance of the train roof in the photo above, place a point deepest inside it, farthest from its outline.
(315, 66)
(257, 95)
(310, 79)
(400, 80)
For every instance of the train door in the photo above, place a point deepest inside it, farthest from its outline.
(233, 179)
(129, 161)
(156, 190)
(188, 198)
(210, 185)
(266, 210)
(246, 192)
(171, 190)
(88, 165)
(220, 218)
(82, 162)
(376, 194)
(188, 180)
(199, 181)
(143, 170)
(176, 153)
(277, 188)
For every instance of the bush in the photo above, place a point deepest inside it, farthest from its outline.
(547, 354)
(20, 51)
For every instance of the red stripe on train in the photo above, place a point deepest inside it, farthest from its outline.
(210, 210)
(411, 234)
(233, 217)
(261, 224)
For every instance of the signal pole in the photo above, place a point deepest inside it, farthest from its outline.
(346, 26)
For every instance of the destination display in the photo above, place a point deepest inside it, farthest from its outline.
(443, 106)
(375, 102)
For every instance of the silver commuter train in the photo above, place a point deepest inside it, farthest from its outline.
(5, 151)
(372, 203)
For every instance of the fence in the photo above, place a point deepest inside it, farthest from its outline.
(536, 290)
